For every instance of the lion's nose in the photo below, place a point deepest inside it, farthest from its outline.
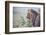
(28, 16)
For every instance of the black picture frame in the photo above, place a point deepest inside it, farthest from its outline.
(7, 16)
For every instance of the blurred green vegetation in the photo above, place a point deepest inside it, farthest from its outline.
(22, 22)
(26, 24)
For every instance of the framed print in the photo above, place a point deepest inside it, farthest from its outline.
(24, 17)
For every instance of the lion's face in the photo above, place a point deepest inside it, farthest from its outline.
(29, 15)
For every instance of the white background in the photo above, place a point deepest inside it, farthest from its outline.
(2, 18)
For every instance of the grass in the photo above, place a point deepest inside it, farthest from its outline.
(24, 23)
